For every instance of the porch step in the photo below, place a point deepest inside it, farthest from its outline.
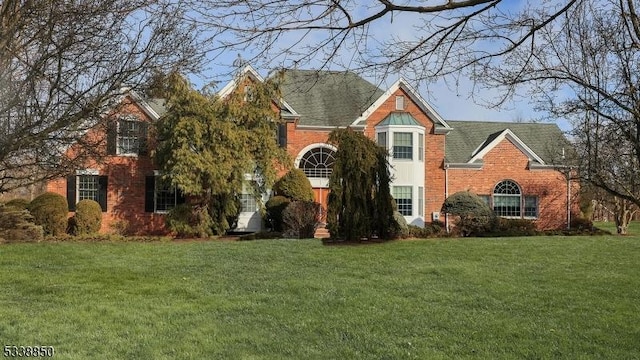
(322, 232)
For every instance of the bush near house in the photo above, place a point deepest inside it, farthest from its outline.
(301, 219)
(274, 208)
(17, 225)
(473, 215)
(20, 204)
(50, 210)
(402, 230)
(294, 185)
(87, 219)
(188, 220)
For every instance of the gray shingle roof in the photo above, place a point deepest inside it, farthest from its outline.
(546, 140)
(158, 105)
(327, 98)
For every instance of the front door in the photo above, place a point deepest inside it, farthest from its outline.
(321, 196)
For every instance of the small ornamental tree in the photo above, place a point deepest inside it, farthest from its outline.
(360, 204)
(294, 185)
(301, 219)
(474, 216)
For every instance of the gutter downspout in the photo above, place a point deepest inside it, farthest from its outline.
(446, 194)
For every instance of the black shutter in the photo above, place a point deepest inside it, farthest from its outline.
(149, 193)
(143, 148)
(112, 134)
(102, 192)
(71, 192)
(282, 135)
(180, 198)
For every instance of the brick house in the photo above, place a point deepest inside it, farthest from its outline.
(513, 166)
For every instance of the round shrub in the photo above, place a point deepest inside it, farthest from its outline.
(274, 208)
(50, 210)
(87, 219)
(188, 220)
(18, 204)
(474, 215)
(295, 186)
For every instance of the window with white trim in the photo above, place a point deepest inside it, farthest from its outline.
(403, 145)
(420, 147)
(382, 139)
(420, 201)
(88, 187)
(318, 162)
(248, 203)
(531, 206)
(128, 137)
(507, 199)
(403, 196)
(160, 195)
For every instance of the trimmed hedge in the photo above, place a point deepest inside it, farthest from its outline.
(50, 210)
(294, 185)
(474, 216)
(87, 219)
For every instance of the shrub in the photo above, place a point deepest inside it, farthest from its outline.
(295, 186)
(87, 219)
(120, 227)
(274, 208)
(581, 224)
(19, 204)
(513, 227)
(50, 210)
(301, 219)
(18, 225)
(420, 232)
(474, 216)
(189, 221)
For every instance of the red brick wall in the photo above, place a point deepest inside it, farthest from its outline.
(507, 162)
(125, 188)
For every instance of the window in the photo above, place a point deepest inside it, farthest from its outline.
(318, 162)
(399, 102)
(127, 136)
(486, 199)
(420, 201)
(420, 147)
(404, 199)
(160, 196)
(506, 199)
(382, 139)
(248, 203)
(89, 186)
(249, 93)
(531, 206)
(281, 135)
(402, 145)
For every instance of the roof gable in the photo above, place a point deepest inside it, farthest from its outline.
(252, 74)
(471, 140)
(413, 95)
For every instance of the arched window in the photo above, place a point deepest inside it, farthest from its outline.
(507, 199)
(318, 162)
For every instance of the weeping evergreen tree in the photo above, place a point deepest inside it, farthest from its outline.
(206, 145)
(360, 204)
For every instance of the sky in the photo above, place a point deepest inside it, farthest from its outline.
(450, 103)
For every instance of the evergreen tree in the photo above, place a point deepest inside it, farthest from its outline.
(206, 145)
(360, 204)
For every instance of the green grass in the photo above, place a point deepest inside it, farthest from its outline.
(516, 298)
(634, 227)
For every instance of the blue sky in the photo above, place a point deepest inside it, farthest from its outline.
(452, 103)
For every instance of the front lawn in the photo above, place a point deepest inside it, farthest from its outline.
(536, 298)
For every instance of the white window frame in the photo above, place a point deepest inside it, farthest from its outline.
(156, 190)
(420, 147)
(120, 150)
(85, 175)
(385, 143)
(410, 152)
(404, 208)
(420, 201)
(248, 203)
